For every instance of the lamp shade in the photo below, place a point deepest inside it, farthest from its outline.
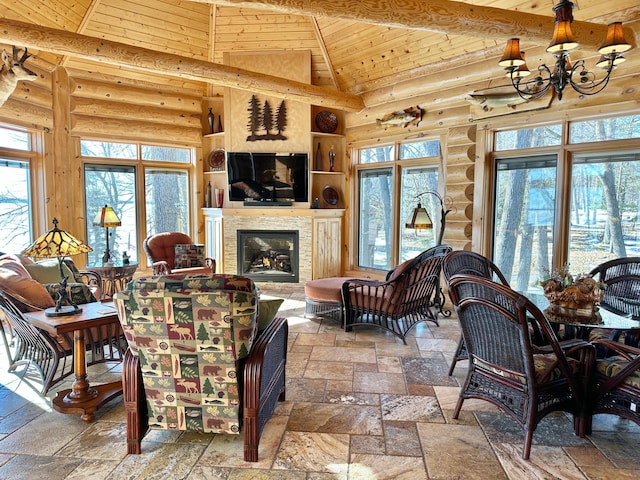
(614, 42)
(56, 243)
(106, 218)
(420, 219)
(511, 56)
(563, 38)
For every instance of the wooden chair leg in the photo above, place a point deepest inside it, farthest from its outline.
(134, 402)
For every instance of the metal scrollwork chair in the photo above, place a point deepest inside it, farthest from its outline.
(404, 299)
(468, 263)
(505, 368)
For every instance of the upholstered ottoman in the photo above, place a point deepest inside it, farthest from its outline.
(324, 297)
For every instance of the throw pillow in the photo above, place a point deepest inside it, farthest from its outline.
(188, 255)
(48, 271)
(30, 294)
(267, 310)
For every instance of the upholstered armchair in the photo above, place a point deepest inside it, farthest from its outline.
(175, 252)
(404, 299)
(196, 359)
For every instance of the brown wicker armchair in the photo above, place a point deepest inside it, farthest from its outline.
(160, 248)
(618, 381)
(507, 369)
(622, 295)
(464, 262)
(404, 299)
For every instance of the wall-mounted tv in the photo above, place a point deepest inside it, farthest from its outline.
(268, 177)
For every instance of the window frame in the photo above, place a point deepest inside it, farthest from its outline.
(565, 152)
(397, 165)
(140, 166)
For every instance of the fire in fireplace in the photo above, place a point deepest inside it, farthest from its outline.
(268, 255)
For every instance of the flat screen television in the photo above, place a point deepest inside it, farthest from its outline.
(268, 177)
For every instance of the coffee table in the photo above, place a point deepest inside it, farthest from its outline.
(81, 397)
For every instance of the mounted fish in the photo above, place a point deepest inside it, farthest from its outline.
(408, 116)
(489, 98)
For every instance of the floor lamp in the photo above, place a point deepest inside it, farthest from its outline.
(106, 218)
(420, 220)
(58, 244)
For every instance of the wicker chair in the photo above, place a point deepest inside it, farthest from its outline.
(618, 381)
(622, 295)
(468, 263)
(404, 299)
(506, 368)
(165, 249)
(196, 360)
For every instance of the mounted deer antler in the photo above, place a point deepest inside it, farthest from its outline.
(12, 71)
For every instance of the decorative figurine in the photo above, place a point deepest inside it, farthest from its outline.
(332, 159)
(316, 203)
(125, 258)
(211, 119)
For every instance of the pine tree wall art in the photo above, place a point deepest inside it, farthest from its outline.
(263, 123)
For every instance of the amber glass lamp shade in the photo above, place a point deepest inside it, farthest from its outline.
(58, 244)
(106, 218)
(420, 219)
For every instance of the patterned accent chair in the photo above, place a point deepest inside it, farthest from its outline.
(465, 262)
(403, 300)
(195, 359)
(505, 368)
(175, 252)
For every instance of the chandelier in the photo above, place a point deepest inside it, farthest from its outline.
(581, 80)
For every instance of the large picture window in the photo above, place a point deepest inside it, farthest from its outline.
(579, 206)
(391, 180)
(141, 182)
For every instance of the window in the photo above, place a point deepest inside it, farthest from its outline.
(389, 188)
(140, 182)
(15, 190)
(374, 246)
(15, 205)
(574, 206)
(523, 218)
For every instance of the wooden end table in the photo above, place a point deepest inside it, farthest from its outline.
(114, 277)
(81, 397)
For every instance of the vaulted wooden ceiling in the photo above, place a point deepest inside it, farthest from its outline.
(380, 51)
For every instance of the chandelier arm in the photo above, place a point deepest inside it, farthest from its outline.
(534, 88)
(594, 86)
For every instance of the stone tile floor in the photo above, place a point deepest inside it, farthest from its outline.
(360, 406)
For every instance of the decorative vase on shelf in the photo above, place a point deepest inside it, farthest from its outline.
(211, 118)
(209, 197)
(318, 160)
(220, 127)
(332, 159)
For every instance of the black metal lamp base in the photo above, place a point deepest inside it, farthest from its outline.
(63, 311)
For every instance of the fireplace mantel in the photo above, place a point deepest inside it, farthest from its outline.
(320, 236)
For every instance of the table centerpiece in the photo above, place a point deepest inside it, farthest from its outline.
(580, 292)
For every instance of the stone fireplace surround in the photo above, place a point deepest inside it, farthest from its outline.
(262, 219)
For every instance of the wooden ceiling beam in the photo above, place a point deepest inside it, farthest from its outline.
(443, 16)
(62, 42)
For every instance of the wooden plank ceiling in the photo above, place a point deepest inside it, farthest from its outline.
(382, 63)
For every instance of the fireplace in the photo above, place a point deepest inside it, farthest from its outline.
(268, 255)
